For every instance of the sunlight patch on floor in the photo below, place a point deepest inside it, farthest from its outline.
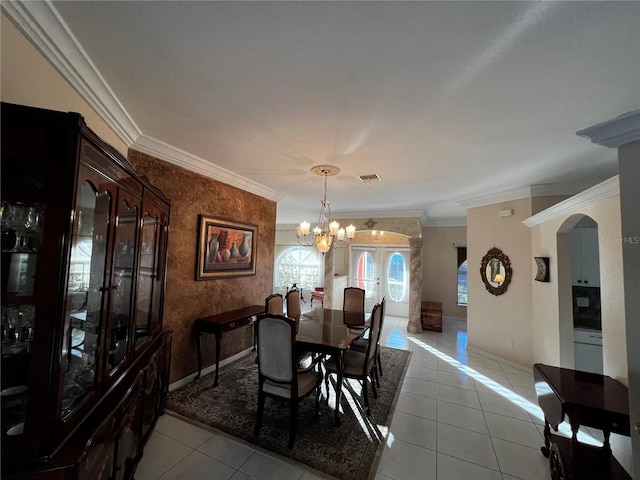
(513, 397)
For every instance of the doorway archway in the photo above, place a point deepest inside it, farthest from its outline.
(579, 294)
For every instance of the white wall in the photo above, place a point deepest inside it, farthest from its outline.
(492, 320)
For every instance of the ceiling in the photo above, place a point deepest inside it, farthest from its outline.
(445, 101)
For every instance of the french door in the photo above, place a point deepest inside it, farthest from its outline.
(382, 271)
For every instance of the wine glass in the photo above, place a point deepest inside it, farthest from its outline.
(16, 220)
(33, 222)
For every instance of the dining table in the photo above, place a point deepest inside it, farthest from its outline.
(331, 332)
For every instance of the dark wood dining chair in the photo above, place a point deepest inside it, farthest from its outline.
(359, 365)
(274, 304)
(361, 344)
(294, 311)
(292, 299)
(278, 373)
(353, 300)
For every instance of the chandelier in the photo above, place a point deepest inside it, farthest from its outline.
(327, 233)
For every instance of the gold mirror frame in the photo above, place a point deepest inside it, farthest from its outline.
(495, 255)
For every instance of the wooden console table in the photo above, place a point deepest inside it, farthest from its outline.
(588, 399)
(220, 323)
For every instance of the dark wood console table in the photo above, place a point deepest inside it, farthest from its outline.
(588, 399)
(220, 323)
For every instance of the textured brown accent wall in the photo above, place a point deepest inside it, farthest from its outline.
(186, 299)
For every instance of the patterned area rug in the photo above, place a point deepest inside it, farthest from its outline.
(350, 451)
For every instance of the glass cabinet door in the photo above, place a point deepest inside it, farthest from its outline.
(146, 274)
(85, 291)
(122, 279)
(22, 226)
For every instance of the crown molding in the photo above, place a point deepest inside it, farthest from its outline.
(591, 196)
(171, 154)
(615, 132)
(525, 191)
(41, 23)
(381, 214)
(446, 222)
(497, 197)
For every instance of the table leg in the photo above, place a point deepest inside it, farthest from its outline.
(340, 365)
(573, 444)
(218, 335)
(607, 445)
(547, 442)
(198, 347)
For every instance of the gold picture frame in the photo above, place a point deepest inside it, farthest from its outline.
(226, 248)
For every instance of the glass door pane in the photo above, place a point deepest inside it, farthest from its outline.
(122, 278)
(146, 275)
(383, 272)
(365, 274)
(85, 290)
(395, 280)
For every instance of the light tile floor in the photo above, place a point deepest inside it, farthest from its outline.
(460, 415)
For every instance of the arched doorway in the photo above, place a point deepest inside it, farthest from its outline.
(579, 294)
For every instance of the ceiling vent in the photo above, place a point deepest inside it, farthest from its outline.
(374, 178)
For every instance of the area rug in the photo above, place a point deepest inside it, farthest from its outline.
(348, 452)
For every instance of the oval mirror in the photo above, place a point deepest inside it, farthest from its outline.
(495, 271)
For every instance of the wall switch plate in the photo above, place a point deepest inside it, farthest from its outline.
(509, 343)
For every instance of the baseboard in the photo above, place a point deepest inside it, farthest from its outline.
(211, 368)
(457, 319)
(515, 365)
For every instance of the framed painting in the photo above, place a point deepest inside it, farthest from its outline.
(226, 248)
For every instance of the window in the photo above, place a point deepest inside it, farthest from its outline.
(462, 276)
(298, 265)
(397, 276)
(366, 270)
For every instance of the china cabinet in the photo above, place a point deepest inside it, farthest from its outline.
(85, 361)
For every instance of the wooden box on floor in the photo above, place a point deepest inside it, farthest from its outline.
(431, 316)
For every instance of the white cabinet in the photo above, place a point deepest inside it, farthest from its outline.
(585, 257)
(588, 350)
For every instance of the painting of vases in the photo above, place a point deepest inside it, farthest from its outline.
(226, 248)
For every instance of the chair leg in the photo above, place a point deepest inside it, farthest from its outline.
(373, 387)
(326, 384)
(259, 414)
(379, 363)
(317, 411)
(293, 422)
(366, 395)
(375, 373)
